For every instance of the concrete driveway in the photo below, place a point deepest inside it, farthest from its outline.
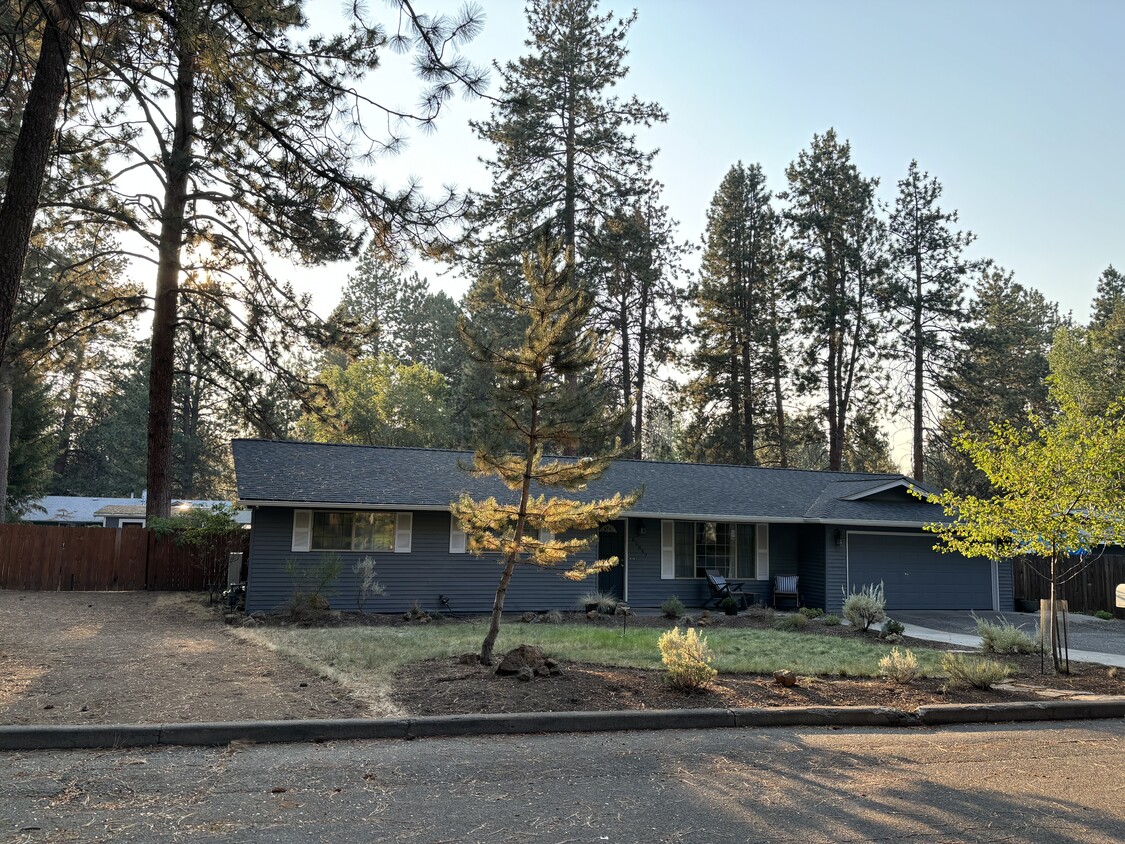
(1086, 633)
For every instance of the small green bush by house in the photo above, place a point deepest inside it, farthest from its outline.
(687, 658)
(893, 628)
(1104, 615)
(866, 607)
(811, 612)
(973, 671)
(792, 623)
(1005, 638)
(672, 607)
(830, 620)
(312, 584)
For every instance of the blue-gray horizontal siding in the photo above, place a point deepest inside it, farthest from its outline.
(646, 589)
(422, 575)
(1007, 586)
(810, 556)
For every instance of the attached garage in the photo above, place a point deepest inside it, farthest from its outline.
(915, 577)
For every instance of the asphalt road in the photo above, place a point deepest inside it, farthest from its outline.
(1008, 783)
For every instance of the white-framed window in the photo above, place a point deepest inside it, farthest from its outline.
(735, 550)
(458, 542)
(331, 530)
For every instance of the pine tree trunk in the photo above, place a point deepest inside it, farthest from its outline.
(513, 557)
(31, 152)
(6, 374)
(628, 434)
(162, 366)
(779, 406)
(749, 423)
(66, 428)
(919, 371)
(642, 363)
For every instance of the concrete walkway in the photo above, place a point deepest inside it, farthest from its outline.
(972, 641)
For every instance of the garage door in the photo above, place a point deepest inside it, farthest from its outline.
(914, 576)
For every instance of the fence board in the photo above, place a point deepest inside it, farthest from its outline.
(51, 558)
(1090, 591)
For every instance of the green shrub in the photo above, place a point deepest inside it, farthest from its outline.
(865, 607)
(312, 583)
(792, 623)
(688, 659)
(729, 603)
(973, 671)
(1005, 638)
(830, 620)
(902, 667)
(811, 612)
(893, 628)
(1104, 615)
(672, 607)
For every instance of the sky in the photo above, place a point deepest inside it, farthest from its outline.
(1015, 106)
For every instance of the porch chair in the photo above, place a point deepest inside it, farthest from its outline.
(785, 586)
(722, 588)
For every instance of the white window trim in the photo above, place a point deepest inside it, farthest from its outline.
(761, 552)
(458, 540)
(667, 549)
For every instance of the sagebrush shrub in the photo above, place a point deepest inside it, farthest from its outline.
(791, 623)
(973, 671)
(900, 666)
(672, 607)
(687, 658)
(866, 607)
(1005, 638)
(368, 586)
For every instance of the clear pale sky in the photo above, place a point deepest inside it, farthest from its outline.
(1016, 107)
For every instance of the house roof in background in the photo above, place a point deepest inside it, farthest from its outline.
(77, 509)
(318, 474)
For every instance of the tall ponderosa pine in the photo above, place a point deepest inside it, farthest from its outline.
(532, 405)
(1088, 364)
(635, 263)
(838, 250)
(737, 399)
(565, 152)
(998, 374)
(928, 271)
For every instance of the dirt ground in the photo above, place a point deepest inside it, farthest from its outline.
(143, 657)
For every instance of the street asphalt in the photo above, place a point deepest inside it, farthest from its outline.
(1039, 784)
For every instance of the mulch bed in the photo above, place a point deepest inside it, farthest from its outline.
(446, 687)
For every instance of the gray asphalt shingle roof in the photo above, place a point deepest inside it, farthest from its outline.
(296, 473)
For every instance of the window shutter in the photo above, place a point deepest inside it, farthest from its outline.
(667, 549)
(404, 522)
(762, 553)
(302, 530)
(457, 544)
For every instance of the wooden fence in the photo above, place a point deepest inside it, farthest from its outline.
(50, 558)
(1090, 591)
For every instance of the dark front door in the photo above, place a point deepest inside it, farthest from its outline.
(611, 543)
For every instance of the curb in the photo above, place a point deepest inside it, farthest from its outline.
(90, 737)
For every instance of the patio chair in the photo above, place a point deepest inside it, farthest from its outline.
(722, 588)
(785, 586)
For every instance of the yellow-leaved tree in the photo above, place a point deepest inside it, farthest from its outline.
(547, 394)
(1060, 494)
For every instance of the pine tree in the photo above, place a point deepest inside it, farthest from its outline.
(838, 251)
(635, 263)
(531, 405)
(1088, 364)
(928, 272)
(736, 401)
(998, 374)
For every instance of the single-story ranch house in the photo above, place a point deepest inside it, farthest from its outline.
(835, 530)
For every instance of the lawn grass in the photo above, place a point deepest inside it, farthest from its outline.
(365, 658)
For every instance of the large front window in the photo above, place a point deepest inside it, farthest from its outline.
(353, 531)
(714, 546)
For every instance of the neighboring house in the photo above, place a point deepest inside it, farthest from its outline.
(835, 530)
(77, 511)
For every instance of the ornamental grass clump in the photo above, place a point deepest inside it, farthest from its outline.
(866, 607)
(900, 666)
(973, 671)
(687, 658)
(1005, 638)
